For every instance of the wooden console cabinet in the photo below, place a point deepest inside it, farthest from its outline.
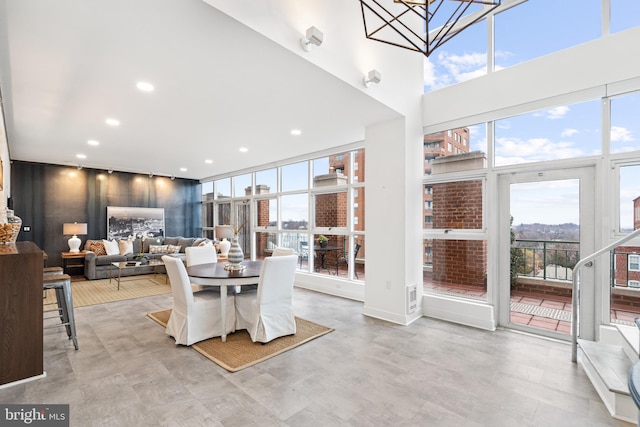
(21, 336)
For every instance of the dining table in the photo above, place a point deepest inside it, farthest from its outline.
(215, 274)
(322, 252)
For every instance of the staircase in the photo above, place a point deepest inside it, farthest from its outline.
(607, 363)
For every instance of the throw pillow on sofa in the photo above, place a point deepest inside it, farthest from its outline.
(111, 246)
(95, 246)
(173, 249)
(125, 247)
(158, 249)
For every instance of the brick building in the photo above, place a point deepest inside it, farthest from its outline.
(458, 205)
(437, 145)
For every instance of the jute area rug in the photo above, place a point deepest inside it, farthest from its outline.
(90, 292)
(239, 352)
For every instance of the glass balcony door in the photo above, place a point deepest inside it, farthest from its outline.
(546, 222)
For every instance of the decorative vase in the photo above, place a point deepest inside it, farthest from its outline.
(224, 246)
(235, 256)
(323, 244)
(10, 226)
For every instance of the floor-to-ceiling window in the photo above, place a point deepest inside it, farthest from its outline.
(455, 240)
(292, 205)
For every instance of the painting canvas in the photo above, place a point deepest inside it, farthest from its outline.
(139, 223)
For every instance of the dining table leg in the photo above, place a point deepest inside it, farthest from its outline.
(223, 312)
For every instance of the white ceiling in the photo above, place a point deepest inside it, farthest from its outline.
(67, 65)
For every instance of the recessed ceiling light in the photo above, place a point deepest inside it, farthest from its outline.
(93, 142)
(144, 86)
(208, 161)
(295, 132)
(81, 156)
(112, 122)
(183, 169)
(243, 149)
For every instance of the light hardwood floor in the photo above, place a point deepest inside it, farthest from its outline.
(365, 373)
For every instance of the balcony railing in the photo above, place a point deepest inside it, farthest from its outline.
(547, 259)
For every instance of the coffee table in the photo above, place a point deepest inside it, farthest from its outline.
(124, 265)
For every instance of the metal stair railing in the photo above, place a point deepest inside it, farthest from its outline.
(575, 290)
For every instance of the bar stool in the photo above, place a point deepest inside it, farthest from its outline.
(61, 283)
(47, 271)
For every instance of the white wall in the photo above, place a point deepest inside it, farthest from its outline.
(345, 52)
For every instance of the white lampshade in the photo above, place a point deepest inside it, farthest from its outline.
(224, 232)
(74, 228)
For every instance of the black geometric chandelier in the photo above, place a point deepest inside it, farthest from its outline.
(421, 26)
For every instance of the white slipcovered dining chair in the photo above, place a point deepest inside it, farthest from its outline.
(280, 251)
(268, 313)
(196, 255)
(195, 315)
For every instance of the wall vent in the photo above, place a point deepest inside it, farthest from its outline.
(412, 298)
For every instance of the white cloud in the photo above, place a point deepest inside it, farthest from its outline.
(619, 133)
(569, 132)
(557, 112)
(516, 150)
(429, 73)
(451, 68)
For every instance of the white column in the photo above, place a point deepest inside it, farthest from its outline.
(395, 163)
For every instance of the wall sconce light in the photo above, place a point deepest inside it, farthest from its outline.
(150, 175)
(314, 36)
(173, 178)
(372, 76)
(79, 167)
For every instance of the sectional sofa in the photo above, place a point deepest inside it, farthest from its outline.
(97, 260)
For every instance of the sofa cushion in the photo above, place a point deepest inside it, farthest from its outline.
(108, 259)
(111, 246)
(171, 241)
(199, 240)
(185, 242)
(151, 241)
(137, 246)
(95, 246)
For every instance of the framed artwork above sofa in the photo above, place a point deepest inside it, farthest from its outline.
(139, 223)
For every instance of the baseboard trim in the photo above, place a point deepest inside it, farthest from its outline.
(458, 310)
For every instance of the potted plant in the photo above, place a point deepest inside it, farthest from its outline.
(322, 241)
(142, 258)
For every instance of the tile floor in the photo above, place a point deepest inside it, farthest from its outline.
(367, 372)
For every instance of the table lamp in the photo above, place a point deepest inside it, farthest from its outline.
(74, 229)
(224, 232)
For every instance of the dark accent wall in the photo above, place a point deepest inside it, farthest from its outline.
(46, 196)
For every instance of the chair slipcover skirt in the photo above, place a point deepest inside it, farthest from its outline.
(268, 313)
(195, 315)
